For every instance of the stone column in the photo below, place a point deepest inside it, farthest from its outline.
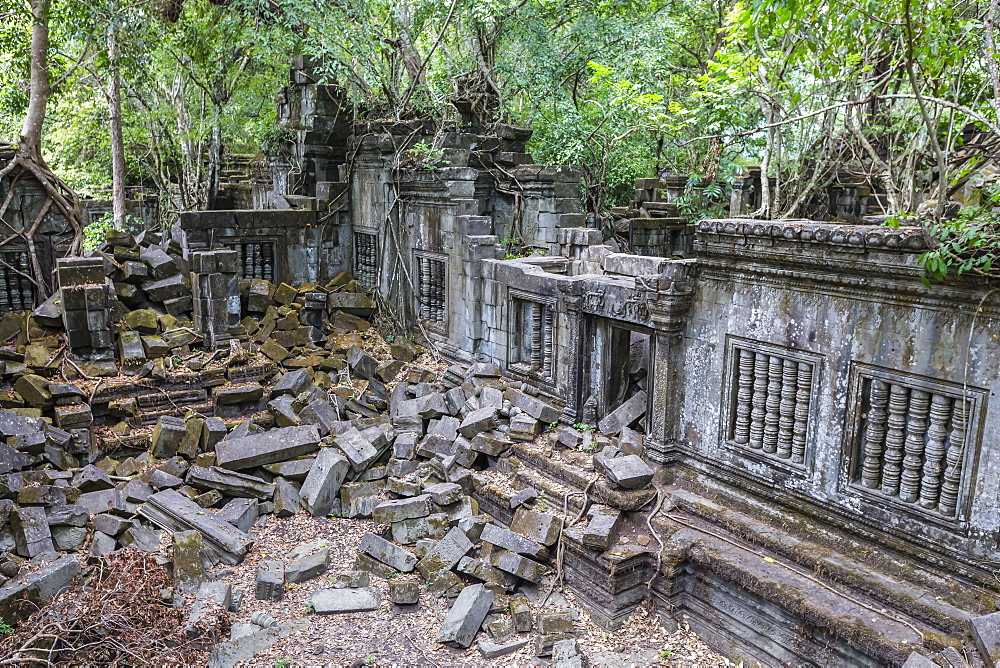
(215, 290)
(86, 307)
(668, 302)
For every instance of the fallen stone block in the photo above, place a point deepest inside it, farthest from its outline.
(526, 495)
(433, 527)
(230, 483)
(557, 622)
(466, 616)
(321, 413)
(32, 535)
(520, 612)
(241, 513)
(232, 395)
(286, 498)
(631, 410)
(213, 598)
(292, 383)
(388, 553)
(213, 431)
(629, 471)
(352, 579)
(478, 421)
(322, 484)
(521, 566)
(388, 512)
(532, 406)
(490, 444)
(492, 650)
(985, 632)
(540, 527)
(308, 567)
(27, 592)
(404, 592)
(600, 530)
(444, 493)
(189, 571)
(172, 511)
(267, 448)
(443, 556)
(340, 601)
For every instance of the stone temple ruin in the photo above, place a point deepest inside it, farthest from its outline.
(818, 419)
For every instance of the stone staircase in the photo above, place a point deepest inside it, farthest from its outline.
(799, 594)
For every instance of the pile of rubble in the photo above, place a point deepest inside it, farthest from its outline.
(179, 448)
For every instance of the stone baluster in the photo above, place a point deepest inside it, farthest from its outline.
(771, 417)
(953, 460)
(759, 401)
(803, 392)
(536, 335)
(548, 332)
(425, 288)
(744, 393)
(916, 429)
(871, 468)
(895, 439)
(937, 432)
(439, 291)
(786, 408)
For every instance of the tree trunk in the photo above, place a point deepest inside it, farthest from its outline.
(31, 132)
(115, 123)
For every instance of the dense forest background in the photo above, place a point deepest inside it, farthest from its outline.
(904, 95)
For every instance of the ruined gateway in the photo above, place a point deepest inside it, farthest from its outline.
(819, 419)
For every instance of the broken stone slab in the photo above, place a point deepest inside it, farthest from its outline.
(241, 513)
(358, 450)
(492, 650)
(404, 592)
(533, 406)
(211, 596)
(340, 601)
(985, 632)
(521, 566)
(292, 383)
(481, 570)
(322, 484)
(526, 495)
(308, 567)
(388, 553)
(296, 469)
(623, 416)
(321, 413)
(478, 421)
(443, 556)
(444, 493)
(27, 592)
(230, 483)
(32, 535)
(603, 523)
(507, 539)
(270, 581)
(189, 570)
(286, 498)
(917, 660)
(268, 447)
(352, 579)
(490, 444)
(535, 525)
(92, 479)
(629, 471)
(358, 499)
(388, 512)
(68, 539)
(466, 616)
(168, 434)
(172, 511)
(556, 622)
(520, 612)
(408, 532)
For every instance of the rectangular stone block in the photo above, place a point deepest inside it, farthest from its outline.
(267, 448)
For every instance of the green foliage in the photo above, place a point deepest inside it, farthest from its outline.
(5, 628)
(282, 663)
(966, 244)
(95, 233)
(426, 156)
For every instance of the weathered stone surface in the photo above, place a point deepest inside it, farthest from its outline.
(167, 436)
(213, 431)
(520, 611)
(358, 450)
(533, 406)
(521, 566)
(466, 616)
(308, 567)
(526, 495)
(239, 394)
(292, 383)
(985, 632)
(600, 530)
(241, 513)
(189, 571)
(212, 598)
(172, 511)
(339, 601)
(557, 622)
(624, 415)
(270, 581)
(32, 535)
(68, 539)
(388, 512)
(629, 471)
(540, 527)
(443, 556)
(478, 421)
(266, 448)
(404, 592)
(352, 579)
(408, 532)
(286, 498)
(321, 413)
(388, 553)
(322, 484)
(507, 539)
(444, 493)
(24, 594)
(492, 650)
(490, 444)
(230, 483)
(916, 660)
(111, 524)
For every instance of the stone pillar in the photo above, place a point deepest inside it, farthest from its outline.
(669, 299)
(86, 307)
(215, 290)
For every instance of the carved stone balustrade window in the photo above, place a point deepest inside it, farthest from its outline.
(365, 258)
(256, 258)
(432, 283)
(531, 336)
(768, 400)
(913, 438)
(17, 293)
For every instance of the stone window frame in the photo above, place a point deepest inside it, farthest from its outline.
(440, 326)
(547, 373)
(277, 244)
(850, 479)
(356, 233)
(15, 283)
(730, 390)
